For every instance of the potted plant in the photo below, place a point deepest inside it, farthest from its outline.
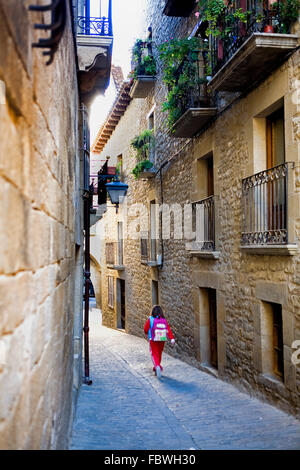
(142, 144)
(143, 168)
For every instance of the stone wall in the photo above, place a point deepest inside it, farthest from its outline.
(243, 281)
(37, 166)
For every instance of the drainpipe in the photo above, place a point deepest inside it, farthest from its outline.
(85, 147)
(161, 222)
(87, 280)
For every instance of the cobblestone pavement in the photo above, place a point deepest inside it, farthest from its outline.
(128, 408)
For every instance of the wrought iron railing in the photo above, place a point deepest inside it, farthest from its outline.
(95, 26)
(261, 16)
(203, 216)
(194, 93)
(265, 207)
(114, 253)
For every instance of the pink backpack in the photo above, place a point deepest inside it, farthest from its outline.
(158, 330)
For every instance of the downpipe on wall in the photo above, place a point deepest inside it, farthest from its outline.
(87, 282)
(85, 148)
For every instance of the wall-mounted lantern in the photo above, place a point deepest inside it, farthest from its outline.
(116, 191)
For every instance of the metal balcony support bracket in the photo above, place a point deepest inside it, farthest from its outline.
(58, 9)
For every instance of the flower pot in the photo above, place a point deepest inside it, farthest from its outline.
(268, 28)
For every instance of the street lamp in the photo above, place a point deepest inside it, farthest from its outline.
(116, 191)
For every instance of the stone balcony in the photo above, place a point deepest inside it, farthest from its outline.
(142, 86)
(258, 56)
(192, 121)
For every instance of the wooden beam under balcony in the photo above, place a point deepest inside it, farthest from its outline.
(253, 61)
(179, 7)
(192, 121)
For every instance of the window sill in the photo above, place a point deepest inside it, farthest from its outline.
(153, 264)
(116, 267)
(277, 250)
(195, 249)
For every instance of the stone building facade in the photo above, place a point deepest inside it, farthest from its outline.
(227, 304)
(41, 262)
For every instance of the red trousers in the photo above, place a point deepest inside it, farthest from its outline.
(156, 349)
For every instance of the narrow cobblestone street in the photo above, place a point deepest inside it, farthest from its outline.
(191, 409)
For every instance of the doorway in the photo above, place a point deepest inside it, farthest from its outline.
(121, 304)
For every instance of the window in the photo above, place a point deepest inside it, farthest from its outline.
(110, 291)
(152, 146)
(204, 209)
(205, 180)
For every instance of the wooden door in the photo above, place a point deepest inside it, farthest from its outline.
(213, 327)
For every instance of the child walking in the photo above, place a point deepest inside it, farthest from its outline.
(158, 331)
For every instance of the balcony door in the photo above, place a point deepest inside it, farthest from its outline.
(275, 153)
(275, 138)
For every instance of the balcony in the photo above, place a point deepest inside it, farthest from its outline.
(94, 48)
(179, 7)
(268, 219)
(251, 50)
(204, 225)
(144, 68)
(149, 254)
(193, 104)
(114, 255)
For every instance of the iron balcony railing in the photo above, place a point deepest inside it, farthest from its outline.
(265, 207)
(261, 16)
(95, 25)
(114, 253)
(193, 94)
(203, 219)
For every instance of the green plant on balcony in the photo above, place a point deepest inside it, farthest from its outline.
(142, 145)
(289, 13)
(180, 72)
(222, 16)
(144, 165)
(143, 60)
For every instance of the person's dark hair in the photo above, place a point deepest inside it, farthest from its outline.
(157, 311)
